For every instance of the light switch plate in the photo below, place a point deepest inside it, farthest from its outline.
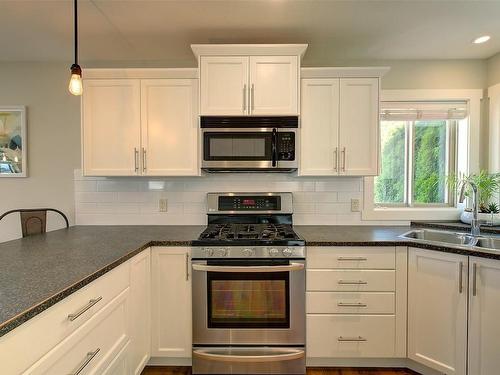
(355, 205)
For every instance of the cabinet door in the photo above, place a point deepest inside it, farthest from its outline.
(484, 305)
(171, 315)
(111, 127)
(359, 123)
(140, 311)
(120, 364)
(169, 120)
(223, 85)
(274, 84)
(319, 127)
(437, 310)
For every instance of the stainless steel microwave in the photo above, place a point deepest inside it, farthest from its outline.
(239, 144)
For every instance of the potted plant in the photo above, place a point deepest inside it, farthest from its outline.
(488, 185)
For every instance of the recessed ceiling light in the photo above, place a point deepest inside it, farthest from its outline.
(481, 39)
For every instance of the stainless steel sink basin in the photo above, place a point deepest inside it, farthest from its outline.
(439, 236)
(489, 243)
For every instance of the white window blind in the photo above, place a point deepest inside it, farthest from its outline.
(415, 111)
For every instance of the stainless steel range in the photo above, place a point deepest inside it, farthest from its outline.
(249, 287)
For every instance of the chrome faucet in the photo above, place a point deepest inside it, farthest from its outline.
(475, 225)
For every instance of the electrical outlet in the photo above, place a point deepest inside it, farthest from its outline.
(355, 205)
(162, 205)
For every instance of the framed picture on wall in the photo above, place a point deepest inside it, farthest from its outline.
(13, 153)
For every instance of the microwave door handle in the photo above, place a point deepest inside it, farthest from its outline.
(274, 155)
(249, 269)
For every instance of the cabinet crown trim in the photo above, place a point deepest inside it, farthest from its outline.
(248, 49)
(140, 73)
(344, 72)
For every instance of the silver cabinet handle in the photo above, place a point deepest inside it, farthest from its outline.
(474, 279)
(351, 304)
(249, 269)
(351, 339)
(335, 159)
(460, 277)
(252, 103)
(91, 303)
(351, 259)
(244, 98)
(343, 159)
(187, 267)
(144, 163)
(136, 161)
(288, 355)
(90, 356)
(352, 282)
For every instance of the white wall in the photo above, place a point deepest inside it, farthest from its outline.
(53, 117)
(494, 70)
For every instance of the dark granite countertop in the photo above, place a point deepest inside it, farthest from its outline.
(36, 272)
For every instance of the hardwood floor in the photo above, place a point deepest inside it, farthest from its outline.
(153, 370)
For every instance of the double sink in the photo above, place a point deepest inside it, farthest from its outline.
(455, 239)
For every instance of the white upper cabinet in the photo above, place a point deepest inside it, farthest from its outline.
(484, 305)
(111, 127)
(359, 119)
(339, 126)
(224, 85)
(274, 84)
(169, 127)
(133, 127)
(319, 127)
(249, 79)
(437, 310)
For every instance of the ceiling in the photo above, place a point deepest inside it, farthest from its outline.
(162, 30)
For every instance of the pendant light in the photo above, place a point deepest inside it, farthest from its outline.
(75, 83)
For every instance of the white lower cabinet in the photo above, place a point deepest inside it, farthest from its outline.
(93, 346)
(171, 302)
(140, 311)
(437, 310)
(120, 365)
(355, 303)
(484, 306)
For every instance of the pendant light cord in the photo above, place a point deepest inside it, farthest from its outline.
(75, 8)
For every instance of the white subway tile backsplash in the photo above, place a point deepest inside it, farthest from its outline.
(134, 200)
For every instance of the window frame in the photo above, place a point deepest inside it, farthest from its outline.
(403, 214)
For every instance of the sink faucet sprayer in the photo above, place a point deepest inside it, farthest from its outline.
(475, 225)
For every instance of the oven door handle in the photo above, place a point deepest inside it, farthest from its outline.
(283, 268)
(288, 355)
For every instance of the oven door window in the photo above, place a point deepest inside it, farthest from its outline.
(251, 146)
(248, 300)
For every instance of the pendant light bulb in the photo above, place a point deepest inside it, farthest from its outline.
(75, 83)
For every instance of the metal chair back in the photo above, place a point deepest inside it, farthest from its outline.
(34, 220)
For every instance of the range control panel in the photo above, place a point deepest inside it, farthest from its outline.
(249, 203)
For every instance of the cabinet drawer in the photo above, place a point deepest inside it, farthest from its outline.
(93, 346)
(351, 280)
(347, 336)
(351, 257)
(52, 326)
(350, 303)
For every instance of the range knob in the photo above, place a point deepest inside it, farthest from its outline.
(274, 252)
(208, 251)
(248, 252)
(221, 252)
(287, 252)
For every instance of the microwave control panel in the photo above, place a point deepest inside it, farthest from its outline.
(286, 146)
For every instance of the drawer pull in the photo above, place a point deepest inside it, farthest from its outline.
(91, 303)
(90, 356)
(351, 304)
(351, 339)
(352, 282)
(352, 258)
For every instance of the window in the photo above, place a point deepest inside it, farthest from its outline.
(418, 144)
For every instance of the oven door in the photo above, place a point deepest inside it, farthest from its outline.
(248, 149)
(252, 302)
